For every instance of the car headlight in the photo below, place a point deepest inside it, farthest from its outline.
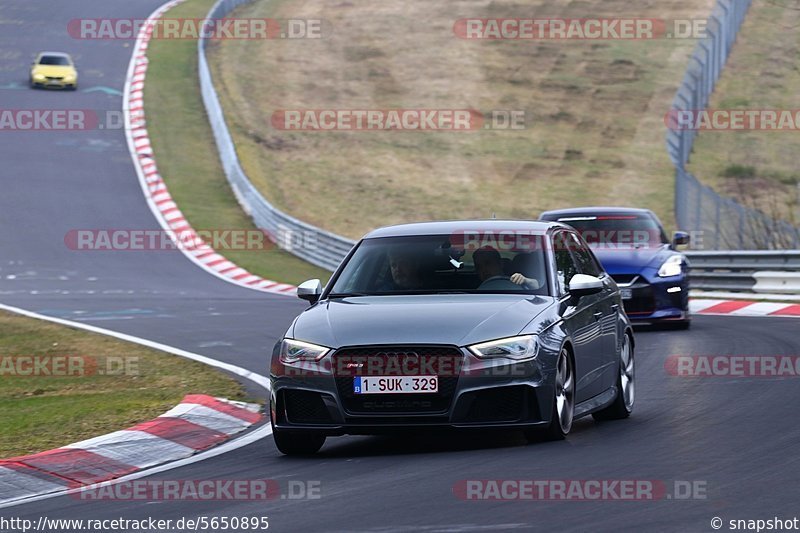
(38, 76)
(671, 267)
(70, 77)
(293, 351)
(522, 348)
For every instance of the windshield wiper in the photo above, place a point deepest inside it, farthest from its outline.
(451, 292)
(349, 294)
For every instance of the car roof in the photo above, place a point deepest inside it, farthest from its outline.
(447, 227)
(596, 211)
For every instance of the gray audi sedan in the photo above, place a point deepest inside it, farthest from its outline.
(479, 324)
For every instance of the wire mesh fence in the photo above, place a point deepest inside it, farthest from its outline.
(724, 223)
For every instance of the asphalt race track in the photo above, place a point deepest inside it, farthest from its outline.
(737, 438)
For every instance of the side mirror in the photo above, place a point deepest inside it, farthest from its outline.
(310, 290)
(583, 285)
(680, 238)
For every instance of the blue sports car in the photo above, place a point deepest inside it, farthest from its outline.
(634, 249)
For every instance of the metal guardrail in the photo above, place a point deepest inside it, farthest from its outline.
(740, 270)
(725, 223)
(777, 282)
(315, 245)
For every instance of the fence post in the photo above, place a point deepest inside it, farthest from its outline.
(741, 226)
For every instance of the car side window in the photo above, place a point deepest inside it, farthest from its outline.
(566, 266)
(587, 264)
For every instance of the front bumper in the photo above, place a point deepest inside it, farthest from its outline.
(654, 298)
(55, 84)
(483, 394)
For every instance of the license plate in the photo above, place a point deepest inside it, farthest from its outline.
(395, 385)
(626, 294)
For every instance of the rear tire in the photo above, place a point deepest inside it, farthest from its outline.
(297, 443)
(563, 403)
(623, 403)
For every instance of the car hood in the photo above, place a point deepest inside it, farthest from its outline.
(628, 260)
(457, 319)
(53, 70)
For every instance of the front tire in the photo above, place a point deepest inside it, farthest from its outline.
(563, 402)
(294, 443)
(626, 389)
(297, 443)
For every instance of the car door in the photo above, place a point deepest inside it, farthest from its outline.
(607, 307)
(580, 321)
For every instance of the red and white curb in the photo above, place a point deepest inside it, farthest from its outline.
(164, 208)
(199, 422)
(743, 308)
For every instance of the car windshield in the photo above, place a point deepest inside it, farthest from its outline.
(617, 229)
(432, 264)
(54, 60)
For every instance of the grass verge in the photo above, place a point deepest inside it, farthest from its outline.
(186, 153)
(594, 109)
(42, 412)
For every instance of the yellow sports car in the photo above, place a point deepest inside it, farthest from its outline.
(54, 69)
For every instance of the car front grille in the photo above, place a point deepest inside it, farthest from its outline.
(643, 300)
(624, 279)
(55, 78)
(446, 361)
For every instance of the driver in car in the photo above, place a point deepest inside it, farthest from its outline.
(404, 266)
